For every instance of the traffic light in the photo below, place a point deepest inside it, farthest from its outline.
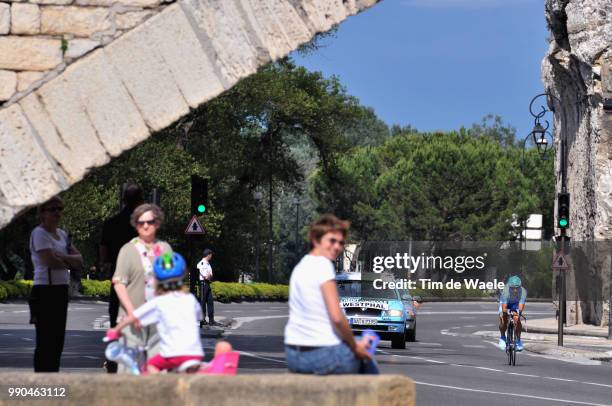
(563, 207)
(199, 195)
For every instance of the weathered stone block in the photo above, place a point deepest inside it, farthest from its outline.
(70, 137)
(130, 19)
(278, 25)
(5, 18)
(108, 3)
(8, 84)
(52, 2)
(25, 53)
(107, 103)
(173, 37)
(147, 76)
(78, 21)
(228, 37)
(26, 174)
(79, 47)
(25, 19)
(25, 79)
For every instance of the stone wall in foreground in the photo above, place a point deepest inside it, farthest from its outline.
(84, 80)
(240, 390)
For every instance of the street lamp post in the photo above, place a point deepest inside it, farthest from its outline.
(539, 134)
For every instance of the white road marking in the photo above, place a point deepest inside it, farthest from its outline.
(579, 361)
(422, 343)
(20, 311)
(241, 320)
(26, 339)
(498, 370)
(480, 312)
(473, 346)
(248, 354)
(81, 308)
(510, 394)
(469, 326)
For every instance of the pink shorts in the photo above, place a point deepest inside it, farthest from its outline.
(161, 363)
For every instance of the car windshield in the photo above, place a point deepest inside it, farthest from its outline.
(365, 289)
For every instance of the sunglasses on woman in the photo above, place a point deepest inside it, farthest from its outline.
(149, 222)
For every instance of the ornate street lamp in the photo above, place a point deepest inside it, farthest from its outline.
(541, 137)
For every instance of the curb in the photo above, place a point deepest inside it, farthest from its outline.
(546, 330)
(547, 349)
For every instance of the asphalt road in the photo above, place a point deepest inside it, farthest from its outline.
(450, 364)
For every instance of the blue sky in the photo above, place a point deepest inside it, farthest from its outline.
(440, 64)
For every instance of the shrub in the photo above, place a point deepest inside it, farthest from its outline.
(15, 289)
(223, 291)
(96, 288)
(235, 292)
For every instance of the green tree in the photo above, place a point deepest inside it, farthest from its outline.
(434, 186)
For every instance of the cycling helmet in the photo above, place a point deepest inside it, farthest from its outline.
(169, 269)
(514, 282)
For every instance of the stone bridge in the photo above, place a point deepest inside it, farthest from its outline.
(81, 81)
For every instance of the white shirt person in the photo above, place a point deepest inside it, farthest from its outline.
(205, 269)
(206, 296)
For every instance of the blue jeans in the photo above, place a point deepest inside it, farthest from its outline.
(335, 359)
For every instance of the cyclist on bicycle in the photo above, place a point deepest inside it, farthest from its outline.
(511, 302)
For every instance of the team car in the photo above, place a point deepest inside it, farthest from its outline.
(387, 311)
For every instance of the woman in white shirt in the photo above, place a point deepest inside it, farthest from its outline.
(318, 337)
(52, 255)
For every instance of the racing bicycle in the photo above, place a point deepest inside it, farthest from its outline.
(510, 338)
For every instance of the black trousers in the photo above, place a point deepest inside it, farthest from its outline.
(113, 312)
(206, 300)
(49, 308)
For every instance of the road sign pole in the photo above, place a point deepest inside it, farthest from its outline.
(561, 295)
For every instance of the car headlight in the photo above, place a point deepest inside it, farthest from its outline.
(395, 313)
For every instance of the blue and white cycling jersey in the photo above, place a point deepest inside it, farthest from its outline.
(512, 298)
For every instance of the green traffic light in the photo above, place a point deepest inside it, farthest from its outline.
(201, 208)
(563, 223)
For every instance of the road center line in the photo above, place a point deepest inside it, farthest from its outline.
(498, 370)
(510, 394)
(479, 312)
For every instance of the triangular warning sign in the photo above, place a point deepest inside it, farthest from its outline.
(560, 262)
(194, 226)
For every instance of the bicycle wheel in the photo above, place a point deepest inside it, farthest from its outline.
(510, 342)
(513, 357)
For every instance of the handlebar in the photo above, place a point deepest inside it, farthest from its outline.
(521, 315)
